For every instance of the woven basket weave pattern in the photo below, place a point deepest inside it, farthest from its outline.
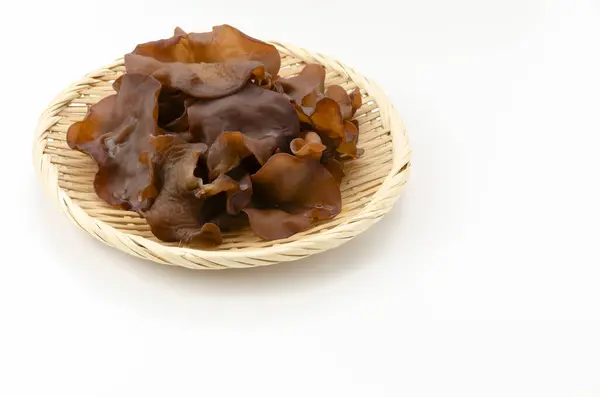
(369, 190)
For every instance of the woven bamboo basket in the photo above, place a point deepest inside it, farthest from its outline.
(372, 184)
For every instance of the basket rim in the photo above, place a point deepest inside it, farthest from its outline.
(378, 205)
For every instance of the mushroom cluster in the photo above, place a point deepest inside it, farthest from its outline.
(203, 136)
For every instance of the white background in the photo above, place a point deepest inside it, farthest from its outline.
(483, 281)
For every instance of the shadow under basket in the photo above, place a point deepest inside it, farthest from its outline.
(370, 188)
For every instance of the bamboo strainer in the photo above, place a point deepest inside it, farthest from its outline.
(371, 186)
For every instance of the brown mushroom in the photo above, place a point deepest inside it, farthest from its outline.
(310, 146)
(228, 151)
(205, 65)
(290, 195)
(253, 111)
(115, 133)
(178, 213)
(305, 87)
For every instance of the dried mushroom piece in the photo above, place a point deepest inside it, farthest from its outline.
(223, 43)
(356, 101)
(274, 224)
(290, 195)
(306, 87)
(228, 151)
(115, 133)
(85, 135)
(348, 144)
(178, 214)
(349, 103)
(338, 94)
(328, 112)
(226, 42)
(310, 146)
(206, 65)
(327, 118)
(253, 111)
(238, 193)
(222, 184)
(199, 80)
